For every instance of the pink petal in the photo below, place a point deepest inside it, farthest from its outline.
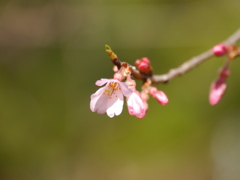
(140, 116)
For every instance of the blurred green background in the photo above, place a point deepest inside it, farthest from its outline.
(51, 54)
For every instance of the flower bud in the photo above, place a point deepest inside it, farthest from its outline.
(217, 90)
(220, 49)
(137, 62)
(144, 65)
(160, 96)
(136, 105)
(146, 60)
(145, 110)
(152, 90)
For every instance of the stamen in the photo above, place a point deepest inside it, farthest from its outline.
(112, 86)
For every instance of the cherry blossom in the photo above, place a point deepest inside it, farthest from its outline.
(109, 98)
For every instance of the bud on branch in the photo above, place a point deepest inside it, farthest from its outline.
(109, 98)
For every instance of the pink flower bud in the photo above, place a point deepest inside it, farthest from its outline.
(146, 60)
(152, 90)
(135, 105)
(217, 90)
(220, 49)
(160, 96)
(143, 67)
(145, 110)
(137, 62)
(145, 106)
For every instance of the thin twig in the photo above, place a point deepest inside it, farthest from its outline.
(186, 66)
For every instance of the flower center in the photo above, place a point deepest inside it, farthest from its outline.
(111, 88)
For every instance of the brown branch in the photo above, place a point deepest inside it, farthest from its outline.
(186, 66)
(182, 69)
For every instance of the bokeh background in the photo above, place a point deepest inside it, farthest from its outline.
(51, 54)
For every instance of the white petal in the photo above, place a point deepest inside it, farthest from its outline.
(99, 101)
(125, 90)
(115, 104)
(95, 97)
(102, 82)
(101, 104)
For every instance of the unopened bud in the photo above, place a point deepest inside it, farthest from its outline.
(220, 49)
(137, 62)
(152, 90)
(145, 106)
(146, 60)
(160, 96)
(144, 65)
(217, 90)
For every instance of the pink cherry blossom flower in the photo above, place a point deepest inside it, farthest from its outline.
(109, 98)
(135, 105)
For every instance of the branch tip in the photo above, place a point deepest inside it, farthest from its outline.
(107, 47)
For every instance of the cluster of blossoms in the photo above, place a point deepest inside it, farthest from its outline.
(110, 98)
(218, 87)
